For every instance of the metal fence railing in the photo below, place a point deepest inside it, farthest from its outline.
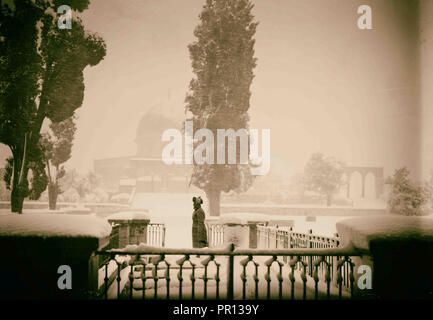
(143, 272)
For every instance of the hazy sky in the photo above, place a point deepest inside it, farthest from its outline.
(321, 83)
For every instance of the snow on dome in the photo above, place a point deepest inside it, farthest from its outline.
(53, 225)
(143, 214)
(360, 231)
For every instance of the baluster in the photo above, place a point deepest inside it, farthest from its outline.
(339, 279)
(256, 280)
(268, 264)
(244, 276)
(346, 276)
(118, 278)
(316, 278)
(309, 245)
(230, 273)
(160, 235)
(290, 237)
(352, 278)
(268, 280)
(205, 279)
(217, 280)
(155, 279)
(167, 279)
(131, 280)
(143, 280)
(318, 264)
(328, 280)
(106, 280)
(304, 278)
(152, 235)
(181, 262)
(280, 281)
(192, 281)
(180, 278)
(292, 264)
(244, 264)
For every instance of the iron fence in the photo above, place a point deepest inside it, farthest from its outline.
(143, 272)
(275, 238)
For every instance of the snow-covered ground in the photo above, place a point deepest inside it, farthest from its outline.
(175, 210)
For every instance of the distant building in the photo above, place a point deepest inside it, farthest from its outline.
(146, 172)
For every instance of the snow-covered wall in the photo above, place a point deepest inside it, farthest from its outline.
(53, 225)
(37, 245)
(360, 232)
(399, 252)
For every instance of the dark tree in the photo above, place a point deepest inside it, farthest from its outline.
(323, 175)
(219, 98)
(41, 76)
(57, 146)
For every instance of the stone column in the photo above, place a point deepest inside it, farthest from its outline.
(237, 233)
(363, 185)
(132, 227)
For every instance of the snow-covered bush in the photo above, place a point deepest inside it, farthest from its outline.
(97, 195)
(70, 195)
(406, 197)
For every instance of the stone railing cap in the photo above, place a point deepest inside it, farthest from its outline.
(129, 215)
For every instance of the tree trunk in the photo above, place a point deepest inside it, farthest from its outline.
(52, 196)
(214, 202)
(19, 175)
(17, 192)
(17, 200)
(328, 200)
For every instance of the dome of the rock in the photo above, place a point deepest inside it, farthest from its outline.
(149, 134)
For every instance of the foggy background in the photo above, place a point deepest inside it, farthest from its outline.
(321, 84)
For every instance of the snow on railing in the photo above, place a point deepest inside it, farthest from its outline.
(269, 237)
(155, 238)
(275, 238)
(146, 272)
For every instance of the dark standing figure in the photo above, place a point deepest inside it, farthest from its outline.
(199, 235)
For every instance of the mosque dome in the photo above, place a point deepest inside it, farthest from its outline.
(149, 134)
